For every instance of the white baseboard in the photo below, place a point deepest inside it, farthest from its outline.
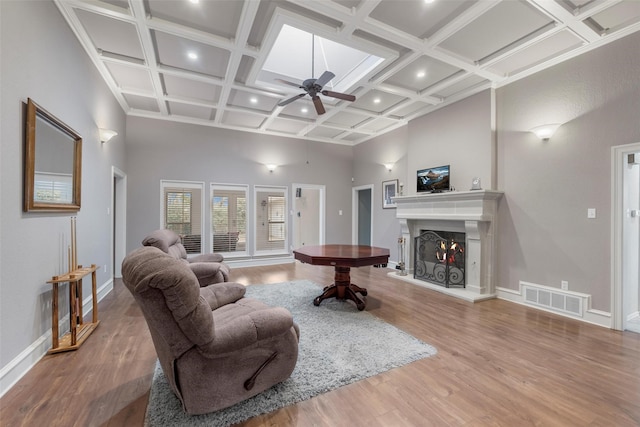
(258, 261)
(587, 314)
(13, 371)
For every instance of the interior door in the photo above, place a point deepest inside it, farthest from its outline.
(308, 215)
(119, 220)
(625, 225)
(362, 223)
(631, 243)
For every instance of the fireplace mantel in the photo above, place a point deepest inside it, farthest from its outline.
(479, 205)
(471, 212)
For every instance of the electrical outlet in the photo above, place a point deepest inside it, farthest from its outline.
(564, 285)
(105, 268)
(591, 213)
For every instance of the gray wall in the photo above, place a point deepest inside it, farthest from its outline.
(159, 150)
(544, 234)
(458, 135)
(368, 168)
(42, 59)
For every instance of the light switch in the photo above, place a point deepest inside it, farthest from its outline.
(591, 213)
(340, 212)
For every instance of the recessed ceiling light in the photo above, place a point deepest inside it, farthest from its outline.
(253, 100)
(429, 1)
(376, 100)
(420, 74)
(304, 110)
(192, 55)
(194, 1)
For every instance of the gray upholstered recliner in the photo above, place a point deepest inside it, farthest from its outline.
(208, 268)
(215, 347)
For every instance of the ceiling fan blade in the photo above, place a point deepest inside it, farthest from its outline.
(317, 102)
(324, 78)
(290, 100)
(339, 95)
(290, 83)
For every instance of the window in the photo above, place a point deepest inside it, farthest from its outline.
(182, 212)
(229, 218)
(178, 208)
(276, 218)
(270, 220)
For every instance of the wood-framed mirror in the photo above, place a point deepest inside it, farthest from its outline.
(52, 163)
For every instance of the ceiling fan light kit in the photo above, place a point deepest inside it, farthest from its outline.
(313, 87)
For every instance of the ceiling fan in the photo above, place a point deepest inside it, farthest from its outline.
(313, 87)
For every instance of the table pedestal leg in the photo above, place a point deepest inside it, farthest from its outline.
(342, 288)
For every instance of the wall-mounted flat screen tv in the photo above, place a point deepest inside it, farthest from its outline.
(433, 180)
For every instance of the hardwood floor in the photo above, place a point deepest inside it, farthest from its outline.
(498, 364)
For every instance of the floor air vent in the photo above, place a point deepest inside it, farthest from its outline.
(552, 299)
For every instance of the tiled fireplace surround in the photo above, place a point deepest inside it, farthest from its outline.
(471, 212)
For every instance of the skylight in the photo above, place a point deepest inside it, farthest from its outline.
(290, 59)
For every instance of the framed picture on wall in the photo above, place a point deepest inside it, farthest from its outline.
(389, 191)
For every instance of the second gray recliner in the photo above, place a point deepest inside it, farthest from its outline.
(208, 268)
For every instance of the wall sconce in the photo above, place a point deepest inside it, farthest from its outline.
(271, 167)
(545, 132)
(389, 166)
(106, 134)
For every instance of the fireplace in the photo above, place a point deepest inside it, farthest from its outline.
(466, 217)
(439, 257)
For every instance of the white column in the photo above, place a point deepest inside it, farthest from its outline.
(408, 245)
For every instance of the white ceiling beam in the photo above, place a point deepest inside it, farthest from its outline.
(189, 120)
(459, 22)
(519, 45)
(249, 11)
(409, 94)
(104, 9)
(148, 50)
(415, 44)
(70, 16)
(583, 12)
(566, 19)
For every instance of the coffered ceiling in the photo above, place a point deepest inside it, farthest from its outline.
(208, 62)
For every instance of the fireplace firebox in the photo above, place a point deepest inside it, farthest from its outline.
(439, 257)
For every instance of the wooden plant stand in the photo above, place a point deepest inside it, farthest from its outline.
(79, 331)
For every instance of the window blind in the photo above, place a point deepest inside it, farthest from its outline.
(271, 224)
(183, 215)
(276, 218)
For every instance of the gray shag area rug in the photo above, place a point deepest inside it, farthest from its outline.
(338, 345)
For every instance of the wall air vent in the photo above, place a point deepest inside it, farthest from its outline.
(553, 299)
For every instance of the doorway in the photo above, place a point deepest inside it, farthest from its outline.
(362, 223)
(308, 225)
(119, 220)
(625, 298)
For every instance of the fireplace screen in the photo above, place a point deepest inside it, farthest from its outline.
(439, 258)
